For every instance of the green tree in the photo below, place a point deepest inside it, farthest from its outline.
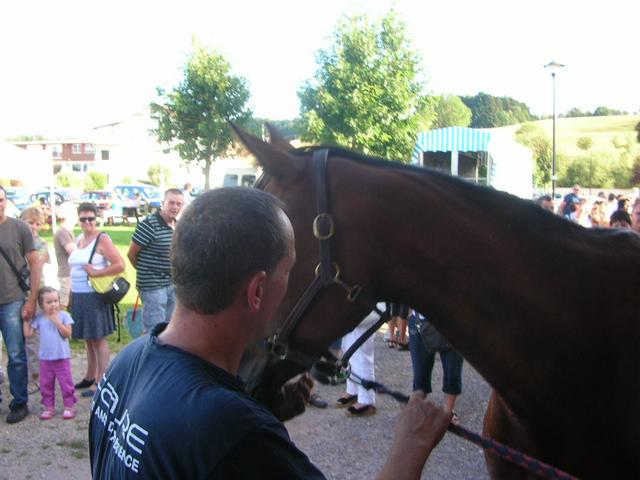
(489, 111)
(450, 111)
(603, 112)
(68, 180)
(638, 132)
(95, 181)
(153, 172)
(635, 172)
(367, 93)
(620, 171)
(192, 118)
(585, 144)
(533, 137)
(576, 112)
(586, 171)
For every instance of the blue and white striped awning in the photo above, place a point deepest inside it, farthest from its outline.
(451, 139)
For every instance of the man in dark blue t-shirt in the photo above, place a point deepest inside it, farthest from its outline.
(171, 404)
(570, 203)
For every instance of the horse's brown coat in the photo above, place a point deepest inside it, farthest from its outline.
(545, 310)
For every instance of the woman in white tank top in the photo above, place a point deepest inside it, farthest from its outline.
(93, 318)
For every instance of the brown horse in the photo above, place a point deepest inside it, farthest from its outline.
(543, 308)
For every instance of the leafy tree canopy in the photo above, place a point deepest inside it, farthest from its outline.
(450, 111)
(489, 111)
(193, 117)
(367, 93)
(153, 172)
(533, 137)
(584, 143)
(598, 112)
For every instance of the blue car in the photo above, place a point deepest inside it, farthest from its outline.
(19, 196)
(148, 197)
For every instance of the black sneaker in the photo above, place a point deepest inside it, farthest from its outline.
(85, 383)
(18, 413)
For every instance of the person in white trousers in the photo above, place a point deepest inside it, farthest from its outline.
(359, 401)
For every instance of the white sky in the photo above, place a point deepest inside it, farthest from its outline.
(70, 65)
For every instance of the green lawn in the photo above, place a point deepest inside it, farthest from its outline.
(121, 236)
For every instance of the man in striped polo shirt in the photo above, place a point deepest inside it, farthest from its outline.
(149, 254)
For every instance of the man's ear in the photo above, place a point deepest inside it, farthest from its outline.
(255, 291)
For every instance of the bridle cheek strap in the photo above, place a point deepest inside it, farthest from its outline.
(326, 274)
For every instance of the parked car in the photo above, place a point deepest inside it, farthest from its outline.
(111, 205)
(239, 179)
(19, 197)
(148, 197)
(100, 198)
(42, 199)
(62, 195)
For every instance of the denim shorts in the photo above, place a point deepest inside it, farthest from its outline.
(158, 306)
(423, 360)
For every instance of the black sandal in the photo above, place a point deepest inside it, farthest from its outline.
(363, 411)
(346, 401)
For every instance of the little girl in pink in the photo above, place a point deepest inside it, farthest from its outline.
(54, 326)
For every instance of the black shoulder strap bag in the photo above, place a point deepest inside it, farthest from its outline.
(23, 276)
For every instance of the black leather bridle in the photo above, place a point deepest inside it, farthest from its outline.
(327, 273)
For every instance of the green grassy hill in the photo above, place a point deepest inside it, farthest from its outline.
(602, 130)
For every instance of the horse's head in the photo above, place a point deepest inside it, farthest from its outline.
(329, 312)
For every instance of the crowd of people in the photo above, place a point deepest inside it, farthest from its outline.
(203, 305)
(604, 211)
(36, 320)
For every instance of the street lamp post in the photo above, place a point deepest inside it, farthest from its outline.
(553, 66)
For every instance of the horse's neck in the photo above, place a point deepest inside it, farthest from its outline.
(489, 270)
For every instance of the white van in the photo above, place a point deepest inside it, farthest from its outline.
(243, 178)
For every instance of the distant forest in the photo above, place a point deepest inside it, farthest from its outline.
(489, 111)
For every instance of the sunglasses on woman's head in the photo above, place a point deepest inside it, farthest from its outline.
(87, 219)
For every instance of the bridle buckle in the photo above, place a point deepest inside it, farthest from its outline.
(316, 226)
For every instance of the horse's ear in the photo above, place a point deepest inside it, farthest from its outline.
(274, 161)
(276, 139)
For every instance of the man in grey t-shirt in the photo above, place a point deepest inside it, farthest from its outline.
(64, 243)
(16, 242)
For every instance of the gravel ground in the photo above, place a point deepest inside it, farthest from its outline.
(342, 447)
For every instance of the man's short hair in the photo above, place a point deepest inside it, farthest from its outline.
(173, 191)
(543, 198)
(225, 235)
(3, 190)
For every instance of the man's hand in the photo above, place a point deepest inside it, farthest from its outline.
(29, 309)
(419, 429)
(292, 398)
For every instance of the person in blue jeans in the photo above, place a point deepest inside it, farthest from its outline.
(422, 361)
(16, 244)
